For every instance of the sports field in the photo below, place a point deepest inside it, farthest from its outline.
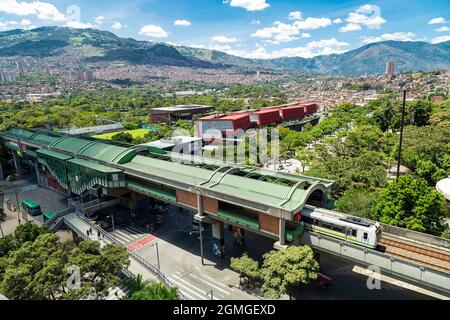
(136, 133)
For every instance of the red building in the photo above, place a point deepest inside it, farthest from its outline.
(226, 124)
(310, 108)
(292, 113)
(267, 116)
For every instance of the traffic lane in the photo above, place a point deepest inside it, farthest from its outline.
(346, 284)
(180, 260)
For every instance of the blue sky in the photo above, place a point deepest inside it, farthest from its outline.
(248, 28)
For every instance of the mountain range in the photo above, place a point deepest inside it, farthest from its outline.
(92, 45)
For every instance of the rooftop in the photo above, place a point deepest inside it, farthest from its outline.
(271, 188)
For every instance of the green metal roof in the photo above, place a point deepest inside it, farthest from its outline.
(53, 154)
(284, 191)
(94, 166)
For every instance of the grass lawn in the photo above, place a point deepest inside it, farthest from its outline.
(136, 133)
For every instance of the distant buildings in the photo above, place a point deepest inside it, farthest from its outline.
(7, 77)
(178, 112)
(87, 75)
(389, 69)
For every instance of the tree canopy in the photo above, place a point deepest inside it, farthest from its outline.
(410, 203)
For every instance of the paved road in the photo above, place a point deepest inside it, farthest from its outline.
(180, 261)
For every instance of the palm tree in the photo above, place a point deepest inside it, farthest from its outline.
(156, 291)
(136, 284)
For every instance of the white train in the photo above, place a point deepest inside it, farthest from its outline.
(338, 225)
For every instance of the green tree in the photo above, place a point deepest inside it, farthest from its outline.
(411, 203)
(246, 267)
(122, 137)
(446, 234)
(357, 202)
(284, 270)
(306, 157)
(156, 291)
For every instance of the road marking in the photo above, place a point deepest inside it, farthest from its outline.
(214, 286)
(143, 242)
(137, 229)
(135, 233)
(382, 277)
(186, 288)
(213, 280)
(123, 235)
(206, 293)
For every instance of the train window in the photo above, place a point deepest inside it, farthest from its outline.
(308, 220)
(353, 232)
(365, 235)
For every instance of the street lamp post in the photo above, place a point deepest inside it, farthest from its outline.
(401, 133)
(18, 206)
(201, 243)
(157, 254)
(114, 230)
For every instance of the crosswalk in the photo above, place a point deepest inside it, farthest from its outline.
(129, 234)
(196, 286)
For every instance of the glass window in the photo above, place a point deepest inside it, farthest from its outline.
(365, 235)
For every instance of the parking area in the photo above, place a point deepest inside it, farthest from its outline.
(26, 188)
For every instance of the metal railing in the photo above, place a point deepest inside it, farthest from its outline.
(133, 254)
(415, 236)
(398, 267)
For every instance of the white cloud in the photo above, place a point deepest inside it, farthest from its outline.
(368, 15)
(442, 29)
(151, 30)
(79, 25)
(440, 39)
(281, 32)
(43, 10)
(182, 23)
(350, 27)
(249, 5)
(305, 35)
(99, 20)
(7, 25)
(25, 23)
(198, 46)
(295, 15)
(224, 39)
(397, 36)
(337, 21)
(118, 26)
(258, 22)
(439, 20)
(219, 47)
(312, 23)
(314, 48)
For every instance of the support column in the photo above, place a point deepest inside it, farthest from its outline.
(218, 234)
(17, 164)
(2, 177)
(282, 231)
(200, 214)
(200, 205)
(38, 178)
